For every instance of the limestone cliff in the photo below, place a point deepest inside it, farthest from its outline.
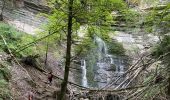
(23, 14)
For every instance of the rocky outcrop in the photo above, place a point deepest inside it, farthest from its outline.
(23, 15)
(35, 7)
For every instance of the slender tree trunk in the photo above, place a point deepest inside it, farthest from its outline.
(2, 9)
(168, 93)
(46, 55)
(68, 53)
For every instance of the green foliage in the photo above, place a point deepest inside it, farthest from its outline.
(154, 91)
(87, 44)
(4, 78)
(4, 91)
(156, 82)
(96, 14)
(85, 47)
(115, 48)
(161, 51)
(129, 17)
(4, 72)
(90, 12)
(15, 40)
(99, 31)
(157, 20)
(163, 47)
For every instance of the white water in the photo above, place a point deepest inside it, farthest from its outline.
(84, 71)
(106, 61)
(111, 59)
(102, 49)
(105, 68)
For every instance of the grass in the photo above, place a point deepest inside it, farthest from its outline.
(15, 40)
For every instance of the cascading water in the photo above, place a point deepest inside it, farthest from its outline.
(105, 64)
(122, 67)
(102, 66)
(101, 47)
(111, 59)
(84, 77)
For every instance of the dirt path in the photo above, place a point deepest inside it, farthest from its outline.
(21, 84)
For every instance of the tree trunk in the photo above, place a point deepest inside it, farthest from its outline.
(2, 9)
(1, 17)
(168, 92)
(46, 55)
(68, 53)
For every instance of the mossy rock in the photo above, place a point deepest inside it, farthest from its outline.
(112, 67)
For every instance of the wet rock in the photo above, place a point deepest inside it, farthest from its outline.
(111, 68)
(36, 7)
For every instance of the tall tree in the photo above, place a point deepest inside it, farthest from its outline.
(68, 15)
(68, 51)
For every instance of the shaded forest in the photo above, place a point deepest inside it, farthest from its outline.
(84, 50)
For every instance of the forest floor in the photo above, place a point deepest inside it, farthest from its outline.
(32, 80)
(27, 80)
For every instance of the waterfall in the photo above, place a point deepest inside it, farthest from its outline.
(121, 69)
(84, 77)
(102, 66)
(111, 59)
(121, 66)
(106, 64)
(102, 50)
(101, 47)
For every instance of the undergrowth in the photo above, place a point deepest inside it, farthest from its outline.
(4, 79)
(15, 40)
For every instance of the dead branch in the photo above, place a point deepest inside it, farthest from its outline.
(13, 57)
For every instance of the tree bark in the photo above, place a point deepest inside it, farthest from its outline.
(46, 55)
(168, 93)
(68, 53)
(2, 9)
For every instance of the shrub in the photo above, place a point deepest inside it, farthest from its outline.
(4, 78)
(15, 40)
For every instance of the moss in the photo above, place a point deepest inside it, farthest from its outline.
(4, 85)
(162, 48)
(4, 90)
(115, 48)
(15, 40)
(113, 67)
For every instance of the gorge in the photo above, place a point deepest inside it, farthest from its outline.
(96, 50)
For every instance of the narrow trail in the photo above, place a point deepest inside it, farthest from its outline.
(43, 91)
(21, 85)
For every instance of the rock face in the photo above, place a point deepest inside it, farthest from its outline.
(37, 2)
(109, 70)
(24, 3)
(135, 41)
(37, 6)
(23, 14)
(104, 68)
